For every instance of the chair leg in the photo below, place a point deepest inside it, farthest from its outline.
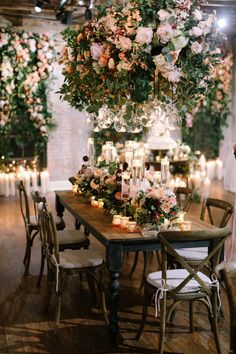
(145, 256)
(135, 264)
(48, 289)
(26, 251)
(162, 324)
(191, 316)
(215, 322)
(27, 263)
(41, 266)
(146, 297)
(58, 311)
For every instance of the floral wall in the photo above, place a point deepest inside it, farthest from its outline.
(26, 63)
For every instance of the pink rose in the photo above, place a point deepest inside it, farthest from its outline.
(96, 51)
(196, 47)
(195, 31)
(125, 43)
(111, 64)
(165, 32)
(144, 35)
(163, 15)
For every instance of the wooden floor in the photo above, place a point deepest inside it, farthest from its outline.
(25, 328)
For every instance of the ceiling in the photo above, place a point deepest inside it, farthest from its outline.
(76, 11)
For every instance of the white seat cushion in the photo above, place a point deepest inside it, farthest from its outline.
(195, 254)
(70, 259)
(70, 236)
(175, 277)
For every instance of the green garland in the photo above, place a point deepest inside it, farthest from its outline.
(204, 133)
(25, 120)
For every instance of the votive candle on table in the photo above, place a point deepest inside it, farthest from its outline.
(186, 226)
(116, 220)
(219, 169)
(131, 226)
(123, 221)
(100, 203)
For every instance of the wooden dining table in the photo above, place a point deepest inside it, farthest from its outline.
(117, 242)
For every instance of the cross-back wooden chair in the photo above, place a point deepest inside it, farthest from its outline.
(67, 239)
(186, 283)
(225, 272)
(30, 222)
(195, 255)
(184, 197)
(62, 265)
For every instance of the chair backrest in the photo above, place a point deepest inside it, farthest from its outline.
(184, 197)
(210, 203)
(48, 231)
(24, 202)
(37, 198)
(225, 272)
(172, 240)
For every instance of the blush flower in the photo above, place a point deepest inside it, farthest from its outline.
(165, 32)
(144, 35)
(96, 51)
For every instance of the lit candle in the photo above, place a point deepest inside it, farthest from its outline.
(181, 215)
(100, 203)
(116, 220)
(131, 226)
(123, 221)
(156, 178)
(197, 179)
(125, 186)
(44, 178)
(91, 151)
(6, 185)
(219, 169)
(34, 180)
(12, 184)
(211, 169)
(26, 179)
(202, 162)
(165, 164)
(2, 183)
(206, 187)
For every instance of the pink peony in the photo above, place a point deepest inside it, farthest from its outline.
(144, 35)
(195, 31)
(165, 32)
(96, 51)
(163, 15)
(125, 43)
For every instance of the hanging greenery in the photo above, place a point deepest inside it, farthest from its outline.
(139, 51)
(25, 65)
(203, 130)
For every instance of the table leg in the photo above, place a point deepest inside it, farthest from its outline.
(59, 207)
(114, 263)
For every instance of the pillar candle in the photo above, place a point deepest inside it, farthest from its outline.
(206, 187)
(165, 173)
(219, 169)
(44, 178)
(34, 178)
(2, 182)
(6, 185)
(202, 162)
(26, 180)
(12, 184)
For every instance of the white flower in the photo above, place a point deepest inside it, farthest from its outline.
(165, 32)
(195, 31)
(123, 66)
(96, 67)
(144, 35)
(174, 76)
(197, 14)
(196, 47)
(125, 43)
(71, 55)
(111, 64)
(163, 15)
(96, 51)
(180, 42)
(160, 61)
(206, 25)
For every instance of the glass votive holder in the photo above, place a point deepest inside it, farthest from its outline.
(185, 226)
(123, 221)
(149, 231)
(116, 220)
(94, 203)
(100, 203)
(181, 215)
(131, 226)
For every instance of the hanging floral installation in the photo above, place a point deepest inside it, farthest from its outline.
(139, 58)
(25, 65)
(202, 130)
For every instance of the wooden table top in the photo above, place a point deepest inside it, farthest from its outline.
(100, 222)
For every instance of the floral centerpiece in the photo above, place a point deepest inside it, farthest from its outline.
(156, 205)
(136, 56)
